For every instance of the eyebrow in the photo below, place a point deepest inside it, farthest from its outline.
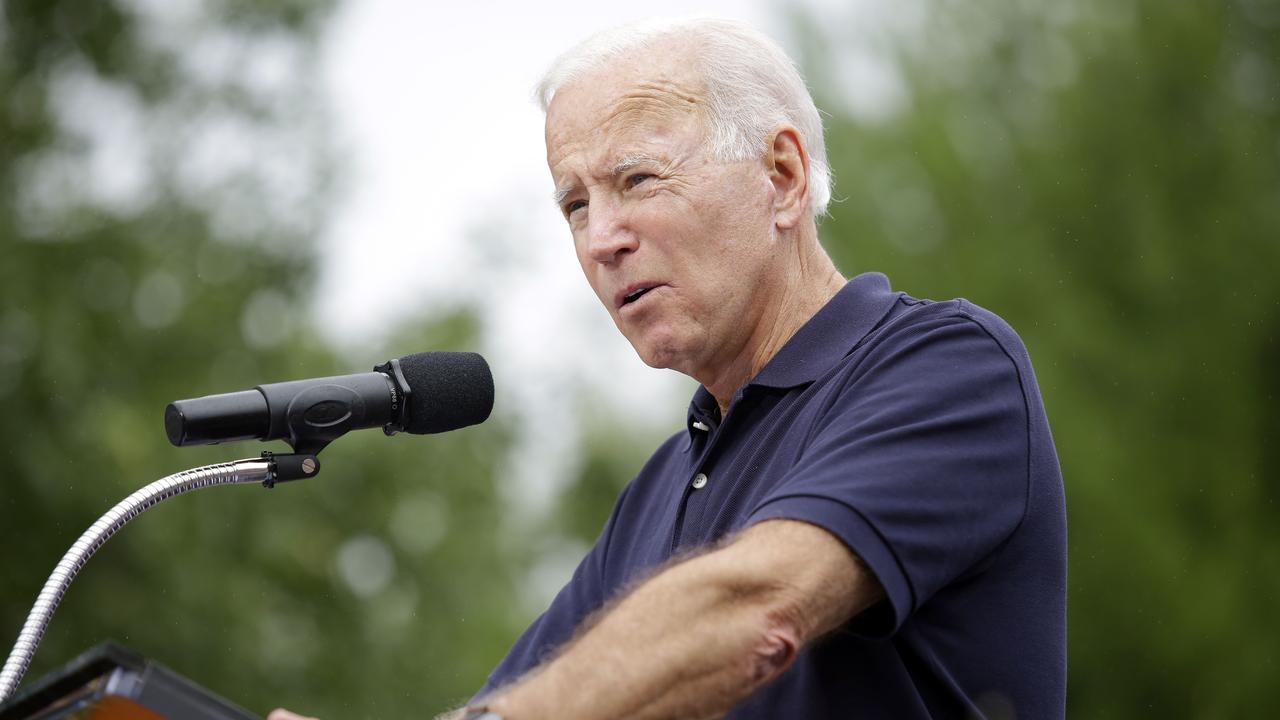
(560, 194)
(632, 160)
(625, 163)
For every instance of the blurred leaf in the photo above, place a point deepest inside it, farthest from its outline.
(155, 222)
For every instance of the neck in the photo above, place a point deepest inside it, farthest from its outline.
(808, 281)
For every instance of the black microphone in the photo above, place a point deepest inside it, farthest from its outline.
(428, 392)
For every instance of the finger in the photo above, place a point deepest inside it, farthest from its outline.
(282, 714)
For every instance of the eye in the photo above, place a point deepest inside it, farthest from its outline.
(573, 206)
(636, 179)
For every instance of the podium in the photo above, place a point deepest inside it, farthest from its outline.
(112, 682)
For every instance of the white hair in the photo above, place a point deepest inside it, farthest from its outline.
(752, 87)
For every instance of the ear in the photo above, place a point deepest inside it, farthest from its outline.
(787, 164)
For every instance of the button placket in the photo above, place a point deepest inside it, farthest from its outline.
(690, 494)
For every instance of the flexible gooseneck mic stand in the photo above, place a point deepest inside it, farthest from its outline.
(267, 470)
(311, 415)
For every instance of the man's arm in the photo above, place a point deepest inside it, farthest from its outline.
(704, 634)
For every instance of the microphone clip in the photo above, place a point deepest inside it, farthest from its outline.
(400, 395)
(283, 468)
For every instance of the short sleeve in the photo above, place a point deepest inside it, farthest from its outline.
(920, 465)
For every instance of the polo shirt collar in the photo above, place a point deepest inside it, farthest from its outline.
(830, 334)
(818, 345)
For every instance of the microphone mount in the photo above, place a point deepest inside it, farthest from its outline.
(267, 470)
(293, 466)
(321, 414)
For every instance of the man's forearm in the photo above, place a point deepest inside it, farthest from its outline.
(673, 647)
(701, 636)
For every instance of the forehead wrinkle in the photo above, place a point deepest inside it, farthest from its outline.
(638, 109)
(660, 101)
(644, 102)
(671, 92)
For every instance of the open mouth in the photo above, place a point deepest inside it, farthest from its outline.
(635, 295)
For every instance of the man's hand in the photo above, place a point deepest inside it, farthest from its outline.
(282, 714)
(703, 635)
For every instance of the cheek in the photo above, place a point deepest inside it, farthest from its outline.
(591, 270)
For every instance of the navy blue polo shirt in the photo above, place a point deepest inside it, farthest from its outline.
(913, 431)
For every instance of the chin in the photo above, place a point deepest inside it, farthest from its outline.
(662, 351)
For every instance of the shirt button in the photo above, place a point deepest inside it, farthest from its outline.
(699, 425)
(699, 481)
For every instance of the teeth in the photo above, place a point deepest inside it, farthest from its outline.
(634, 295)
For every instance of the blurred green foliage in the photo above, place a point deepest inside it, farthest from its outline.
(371, 591)
(1105, 174)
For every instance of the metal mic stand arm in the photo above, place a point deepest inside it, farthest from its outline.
(267, 470)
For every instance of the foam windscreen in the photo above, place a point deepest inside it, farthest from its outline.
(448, 390)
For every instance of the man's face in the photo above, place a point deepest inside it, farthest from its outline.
(679, 247)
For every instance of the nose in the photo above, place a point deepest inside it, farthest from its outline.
(609, 234)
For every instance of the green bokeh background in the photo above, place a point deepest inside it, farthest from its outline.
(1105, 174)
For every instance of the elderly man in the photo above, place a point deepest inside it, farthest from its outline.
(864, 516)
